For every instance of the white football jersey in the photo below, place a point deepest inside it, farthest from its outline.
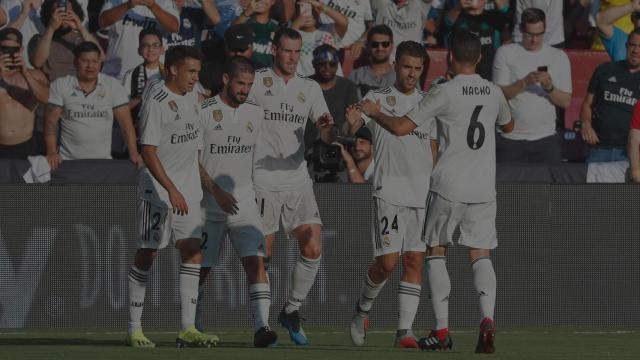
(279, 160)
(171, 122)
(357, 13)
(467, 109)
(229, 138)
(406, 22)
(87, 118)
(402, 163)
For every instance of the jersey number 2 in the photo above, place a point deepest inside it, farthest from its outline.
(474, 142)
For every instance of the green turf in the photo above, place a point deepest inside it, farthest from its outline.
(327, 344)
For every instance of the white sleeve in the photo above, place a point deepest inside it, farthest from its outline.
(119, 95)
(504, 112)
(151, 122)
(110, 4)
(56, 91)
(319, 105)
(562, 77)
(430, 106)
(126, 83)
(365, 6)
(170, 7)
(501, 72)
(368, 122)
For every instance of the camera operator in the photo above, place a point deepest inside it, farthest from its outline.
(359, 162)
(324, 161)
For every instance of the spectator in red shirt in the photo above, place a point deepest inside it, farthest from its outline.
(633, 146)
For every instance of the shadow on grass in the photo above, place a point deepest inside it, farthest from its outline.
(4, 341)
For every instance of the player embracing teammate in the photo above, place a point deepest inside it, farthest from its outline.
(462, 193)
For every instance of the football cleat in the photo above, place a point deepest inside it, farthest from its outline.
(359, 326)
(138, 340)
(405, 339)
(194, 338)
(293, 323)
(433, 342)
(264, 337)
(486, 337)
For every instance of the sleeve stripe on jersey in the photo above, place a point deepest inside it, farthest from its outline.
(160, 96)
(250, 102)
(208, 102)
(386, 90)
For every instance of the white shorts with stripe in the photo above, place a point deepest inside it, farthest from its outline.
(294, 207)
(243, 229)
(477, 222)
(397, 229)
(158, 226)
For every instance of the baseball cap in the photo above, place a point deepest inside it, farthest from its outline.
(325, 53)
(238, 37)
(364, 133)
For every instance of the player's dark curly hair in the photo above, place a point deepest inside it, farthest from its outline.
(237, 65)
(48, 6)
(179, 53)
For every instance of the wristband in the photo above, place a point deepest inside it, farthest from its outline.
(549, 90)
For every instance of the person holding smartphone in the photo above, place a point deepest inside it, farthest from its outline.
(21, 90)
(535, 78)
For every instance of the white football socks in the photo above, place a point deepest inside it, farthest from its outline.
(408, 300)
(137, 288)
(260, 299)
(440, 288)
(304, 274)
(189, 278)
(368, 293)
(484, 280)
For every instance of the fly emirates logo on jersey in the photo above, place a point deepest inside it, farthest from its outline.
(285, 114)
(190, 133)
(624, 97)
(87, 111)
(234, 145)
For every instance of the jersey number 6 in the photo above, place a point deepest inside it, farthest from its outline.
(474, 126)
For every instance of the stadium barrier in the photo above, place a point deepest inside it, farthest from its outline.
(567, 256)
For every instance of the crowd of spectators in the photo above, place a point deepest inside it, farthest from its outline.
(66, 65)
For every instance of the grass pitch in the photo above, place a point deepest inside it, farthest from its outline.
(326, 344)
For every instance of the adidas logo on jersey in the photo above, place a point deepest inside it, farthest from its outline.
(218, 127)
(268, 93)
(613, 79)
(177, 117)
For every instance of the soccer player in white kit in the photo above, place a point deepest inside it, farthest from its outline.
(230, 126)
(169, 192)
(284, 190)
(401, 183)
(462, 193)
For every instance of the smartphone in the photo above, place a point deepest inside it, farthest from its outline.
(305, 8)
(61, 4)
(543, 68)
(11, 51)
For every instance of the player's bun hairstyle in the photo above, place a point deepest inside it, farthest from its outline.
(149, 31)
(237, 65)
(49, 6)
(465, 47)
(286, 32)
(85, 47)
(179, 53)
(381, 29)
(532, 16)
(410, 48)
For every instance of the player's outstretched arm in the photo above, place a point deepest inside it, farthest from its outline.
(178, 203)
(398, 126)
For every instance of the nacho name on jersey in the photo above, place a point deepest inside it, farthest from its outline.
(476, 90)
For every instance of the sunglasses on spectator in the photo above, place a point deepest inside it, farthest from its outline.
(384, 44)
(156, 45)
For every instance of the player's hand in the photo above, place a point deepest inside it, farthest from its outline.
(325, 121)
(178, 203)
(356, 49)
(227, 202)
(353, 115)
(54, 160)
(369, 107)
(136, 158)
(634, 176)
(588, 134)
(57, 18)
